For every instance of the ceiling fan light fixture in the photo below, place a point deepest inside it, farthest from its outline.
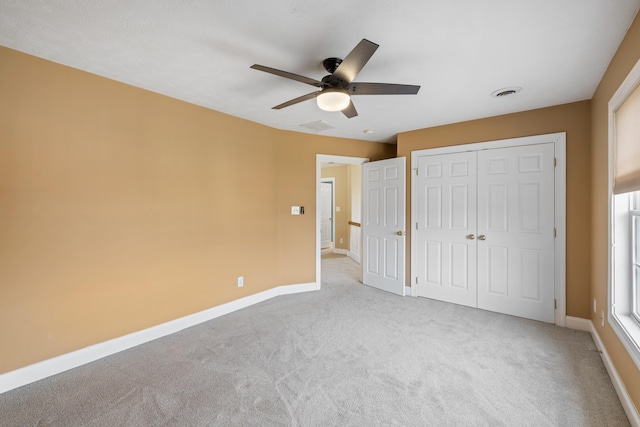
(333, 100)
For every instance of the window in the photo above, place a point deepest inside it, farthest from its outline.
(624, 219)
(634, 217)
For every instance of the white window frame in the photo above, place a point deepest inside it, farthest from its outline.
(634, 225)
(620, 281)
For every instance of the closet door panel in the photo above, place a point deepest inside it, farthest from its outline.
(516, 231)
(446, 228)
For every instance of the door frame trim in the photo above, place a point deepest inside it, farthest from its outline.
(320, 158)
(560, 149)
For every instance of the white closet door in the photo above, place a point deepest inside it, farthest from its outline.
(516, 231)
(446, 228)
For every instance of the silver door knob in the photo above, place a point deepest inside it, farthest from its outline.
(470, 236)
(482, 237)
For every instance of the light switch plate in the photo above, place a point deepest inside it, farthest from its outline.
(295, 210)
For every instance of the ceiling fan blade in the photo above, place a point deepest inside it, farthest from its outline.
(350, 111)
(359, 88)
(355, 60)
(288, 75)
(296, 100)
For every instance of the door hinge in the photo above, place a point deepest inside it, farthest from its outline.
(555, 162)
(416, 280)
(555, 304)
(416, 225)
(555, 232)
(416, 169)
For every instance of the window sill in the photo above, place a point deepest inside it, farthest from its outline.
(628, 330)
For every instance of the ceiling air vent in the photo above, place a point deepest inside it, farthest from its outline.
(318, 126)
(506, 91)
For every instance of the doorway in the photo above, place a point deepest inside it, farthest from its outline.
(346, 172)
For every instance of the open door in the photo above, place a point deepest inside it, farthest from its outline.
(383, 224)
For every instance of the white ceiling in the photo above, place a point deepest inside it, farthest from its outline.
(459, 51)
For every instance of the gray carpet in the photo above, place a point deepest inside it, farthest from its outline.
(347, 355)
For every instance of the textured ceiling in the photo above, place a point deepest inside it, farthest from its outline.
(459, 51)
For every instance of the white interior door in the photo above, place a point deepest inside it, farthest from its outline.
(326, 214)
(516, 259)
(383, 224)
(446, 228)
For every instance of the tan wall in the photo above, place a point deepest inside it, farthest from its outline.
(622, 63)
(122, 209)
(570, 118)
(342, 194)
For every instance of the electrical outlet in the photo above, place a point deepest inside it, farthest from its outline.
(602, 318)
(341, 240)
(595, 310)
(240, 281)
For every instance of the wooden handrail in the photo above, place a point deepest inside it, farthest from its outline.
(356, 224)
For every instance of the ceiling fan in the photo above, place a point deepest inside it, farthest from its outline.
(337, 88)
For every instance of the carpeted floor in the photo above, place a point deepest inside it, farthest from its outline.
(348, 355)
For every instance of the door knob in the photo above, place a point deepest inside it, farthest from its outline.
(400, 233)
(482, 237)
(470, 236)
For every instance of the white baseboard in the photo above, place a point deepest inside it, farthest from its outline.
(340, 251)
(354, 256)
(294, 289)
(407, 291)
(623, 395)
(578, 323)
(56, 365)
